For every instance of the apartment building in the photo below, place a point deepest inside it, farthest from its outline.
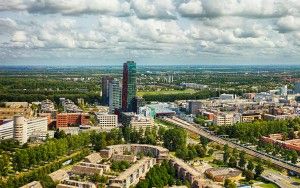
(131, 176)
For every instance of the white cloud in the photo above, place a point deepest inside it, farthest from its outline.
(19, 36)
(145, 9)
(243, 8)
(288, 23)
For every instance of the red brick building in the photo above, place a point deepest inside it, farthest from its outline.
(66, 119)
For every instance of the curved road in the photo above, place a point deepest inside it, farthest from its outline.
(192, 128)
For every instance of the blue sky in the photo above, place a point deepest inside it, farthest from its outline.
(95, 32)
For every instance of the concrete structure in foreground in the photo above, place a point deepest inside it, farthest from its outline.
(157, 151)
(93, 158)
(186, 172)
(132, 175)
(34, 184)
(87, 168)
(73, 184)
(59, 175)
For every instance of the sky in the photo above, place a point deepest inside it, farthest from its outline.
(109, 32)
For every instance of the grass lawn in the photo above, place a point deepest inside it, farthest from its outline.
(142, 93)
(296, 179)
(268, 185)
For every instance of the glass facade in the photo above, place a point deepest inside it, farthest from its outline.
(129, 85)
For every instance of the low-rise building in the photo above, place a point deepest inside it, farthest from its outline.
(131, 176)
(59, 175)
(75, 184)
(87, 169)
(93, 158)
(128, 158)
(34, 184)
(157, 151)
(184, 171)
(9, 111)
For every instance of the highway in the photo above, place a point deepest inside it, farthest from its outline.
(191, 127)
(279, 179)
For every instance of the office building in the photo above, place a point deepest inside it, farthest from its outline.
(66, 119)
(107, 120)
(137, 103)
(129, 85)
(283, 90)
(194, 107)
(106, 80)
(114, 96)
(223, 119)
(297, 87)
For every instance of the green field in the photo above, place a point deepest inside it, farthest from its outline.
(268, 185)
(168, 92)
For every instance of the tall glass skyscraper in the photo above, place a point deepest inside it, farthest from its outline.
(128, 86)
(106, 80)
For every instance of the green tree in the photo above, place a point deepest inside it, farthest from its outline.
(294, 157)
(259, 169)
(250, 165)
(232, 162)
(175, 139)
(248, 175)
(4, 164)
(242, 160)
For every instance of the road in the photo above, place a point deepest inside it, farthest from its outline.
(279, 179)
(249, 151)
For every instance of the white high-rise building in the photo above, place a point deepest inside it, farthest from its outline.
(115, 96)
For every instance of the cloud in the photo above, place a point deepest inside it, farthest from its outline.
(149, 28)
(66, 7)
(242, 8)
(19, 36)
(7, 25)
(288, 24)
(146, 9)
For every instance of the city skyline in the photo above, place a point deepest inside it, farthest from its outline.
(149, 32)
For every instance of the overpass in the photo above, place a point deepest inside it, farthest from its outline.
(191, 127)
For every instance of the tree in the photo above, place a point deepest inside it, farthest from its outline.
(210, 152)
(226, 154)
(294, 157)
(161, 132)
(204, 141)
(242, 161)
(232, 162)
(4, 164)
(291, 134)
(259, 169)
(248, 175)
(250, 166)
(175, 139)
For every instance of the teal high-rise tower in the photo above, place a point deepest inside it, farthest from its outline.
(128, 86)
